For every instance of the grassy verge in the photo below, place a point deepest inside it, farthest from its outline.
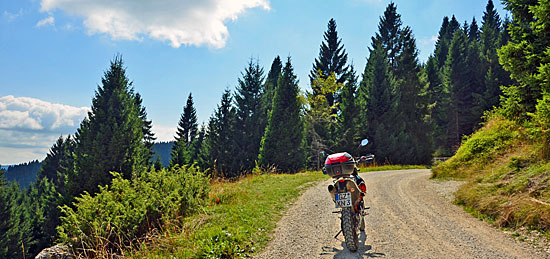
(238, 221)
(508, 183)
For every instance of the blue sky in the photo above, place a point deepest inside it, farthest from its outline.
(54, 52)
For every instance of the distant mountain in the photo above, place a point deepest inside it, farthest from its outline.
(163, 149)
(5, 167)
(24, 174)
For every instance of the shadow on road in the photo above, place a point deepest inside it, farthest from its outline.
(364, 250)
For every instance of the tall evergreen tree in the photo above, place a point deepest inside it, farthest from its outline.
(282, 143)
(220, 138)
(111, 138)
(348, 118)
(377, 105)
(269, 89)
(148, 135)
(185, 134)
(411, 104)
(332, 56)
(494, 76)
(457, 81)
(527, 58)
(388, 35)
(332, 59)
(247, 127)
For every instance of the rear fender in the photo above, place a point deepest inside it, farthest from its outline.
(348, 185)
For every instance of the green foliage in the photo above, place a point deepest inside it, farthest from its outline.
(219, 146)
(248, 128)
(282, 143)
(269, 90)
(347, 125)
(377, 105)
(183, 151)
(507, 177)
(239, 221)
(112, 137)
(481, 147)
(332, 59)
(24, 174)
(526, 57)
(122, 214)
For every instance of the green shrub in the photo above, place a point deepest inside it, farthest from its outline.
(122, 214)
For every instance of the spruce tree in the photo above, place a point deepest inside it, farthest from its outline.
(348, 118)
(4, 215)
(457, 81)
(111, 138)
(388, 35)
(411, 105)
(269, 90)
(220, 138)
(332, 59)
(148, 135)
(527, 58)
(247, 126)
(377, 105)
(282, 143)
(185, 134)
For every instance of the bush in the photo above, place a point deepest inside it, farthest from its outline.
(122, 214)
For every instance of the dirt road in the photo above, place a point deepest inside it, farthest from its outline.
(408, 218)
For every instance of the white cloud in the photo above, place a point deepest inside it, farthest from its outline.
(29, 127)
(164, 133)
(30, 114)
(12, 16)
(184, 22)
(49, 21)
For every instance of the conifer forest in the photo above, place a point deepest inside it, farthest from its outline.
(409, 111)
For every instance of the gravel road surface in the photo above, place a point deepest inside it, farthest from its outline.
(409, 217)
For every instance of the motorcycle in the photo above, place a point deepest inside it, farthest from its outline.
(347, 192)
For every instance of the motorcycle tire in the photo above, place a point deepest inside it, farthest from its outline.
(349, 229)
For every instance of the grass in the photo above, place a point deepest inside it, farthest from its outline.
(508, 183)
(238, 221)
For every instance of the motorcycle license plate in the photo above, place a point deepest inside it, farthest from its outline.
(343, 200)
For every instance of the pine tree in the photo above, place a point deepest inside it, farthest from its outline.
(148, 135)
(388, 35)
(58, 164)
(457, 81)
(111, 138)
(4, 216)
(282, 143)
(220, 142)
(377, 105)
(247, 126)
(348, 118)
(269, 90)
(185, 134)
(332, 59)
(411, 105)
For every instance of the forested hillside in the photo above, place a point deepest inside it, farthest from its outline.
(409, 111)
(24, 174)
(507, 163)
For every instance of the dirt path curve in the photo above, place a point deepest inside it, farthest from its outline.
(407, 219)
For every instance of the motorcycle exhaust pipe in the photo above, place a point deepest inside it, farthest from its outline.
(330, 188)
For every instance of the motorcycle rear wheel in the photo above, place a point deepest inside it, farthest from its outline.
(349, 228)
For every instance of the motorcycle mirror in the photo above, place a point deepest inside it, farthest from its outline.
(364, 142)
